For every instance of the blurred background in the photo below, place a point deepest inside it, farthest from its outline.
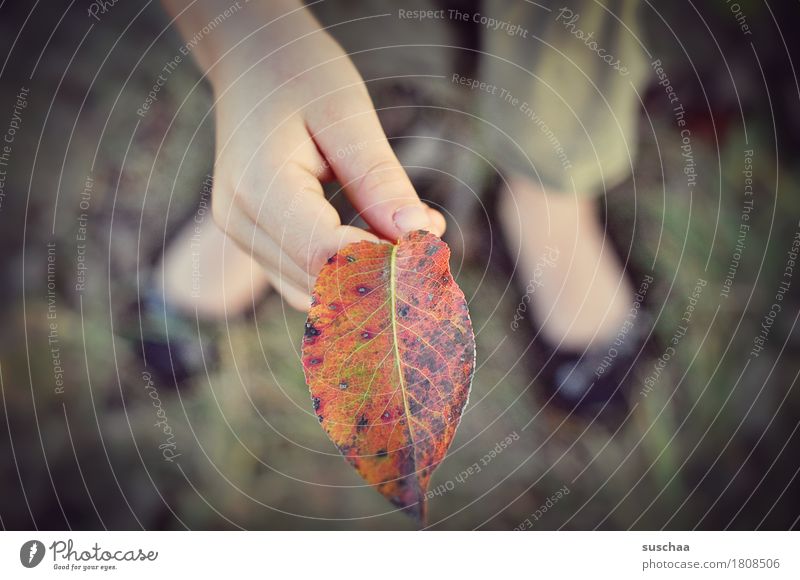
(713, 444)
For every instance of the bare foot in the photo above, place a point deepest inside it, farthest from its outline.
(579, 293)
(203, 270)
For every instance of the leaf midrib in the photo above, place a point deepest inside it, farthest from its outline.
(393, 296)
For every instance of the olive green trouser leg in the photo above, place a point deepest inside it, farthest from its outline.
(565, 77)
(568, 82)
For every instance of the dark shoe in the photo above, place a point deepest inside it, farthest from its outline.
(173, 347)
(595, 382)
(589, 383)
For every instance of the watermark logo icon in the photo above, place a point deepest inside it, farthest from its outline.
(31, 553)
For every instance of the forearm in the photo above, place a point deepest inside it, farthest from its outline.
(230, 36)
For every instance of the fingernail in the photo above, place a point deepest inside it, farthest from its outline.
(411, 217)
(437, 219)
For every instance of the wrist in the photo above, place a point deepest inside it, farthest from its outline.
(227, 37)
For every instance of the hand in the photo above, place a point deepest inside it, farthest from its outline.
(292, 112)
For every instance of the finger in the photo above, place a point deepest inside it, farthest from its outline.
(282, 273)
(292, 295)
(438, 223)
(261, 247)
(375, 182)
(303, 224)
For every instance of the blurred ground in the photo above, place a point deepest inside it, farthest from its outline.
(712, 445)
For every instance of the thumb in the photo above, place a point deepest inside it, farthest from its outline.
(374, 181)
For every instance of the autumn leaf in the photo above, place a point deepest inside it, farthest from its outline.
(388, 354)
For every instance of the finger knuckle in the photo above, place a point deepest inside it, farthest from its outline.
(349, 103)
(315, 256)
(246, 197)
(220, 208)
(379, 174)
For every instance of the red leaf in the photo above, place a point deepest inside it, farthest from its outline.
(388, 355)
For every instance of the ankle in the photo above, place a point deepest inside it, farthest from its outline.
(582, 298)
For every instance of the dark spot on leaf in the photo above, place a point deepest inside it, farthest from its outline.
(331, 259)
(436, 425)
(311, 330)
(448, 332)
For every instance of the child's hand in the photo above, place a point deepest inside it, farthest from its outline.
(293, 112)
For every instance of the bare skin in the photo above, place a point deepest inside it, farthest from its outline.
(204, 271)
(581, 295)
(291, 113)
(302, 116)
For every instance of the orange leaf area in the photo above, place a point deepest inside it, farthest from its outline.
(389, 355)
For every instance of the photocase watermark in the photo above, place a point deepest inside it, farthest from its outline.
(475, 84)
(475, 468)
(94, 558)
(53, 336)
(431, 14)
(679, 114)
(487, 22)
(739, 15)
(622, 334)
(777, 306)
(81, 235)
(548, 504)
(184, 50)
(100, 8)
(546, 260)
(545, 129)
(343, 152)
(6, 147)
(31, 553)
(340, 154)
(523, 107)
(168, 447)
(569, 19)
(744, 226)
(658, 367)
(203, 207)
